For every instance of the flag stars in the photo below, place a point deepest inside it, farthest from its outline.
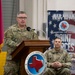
(50, 22)
(54, 25)
(52, 41)
(51, 32)
(56, 35)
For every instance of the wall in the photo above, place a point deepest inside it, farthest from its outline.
(61, 5)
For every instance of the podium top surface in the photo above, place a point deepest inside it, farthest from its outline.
(26, 44)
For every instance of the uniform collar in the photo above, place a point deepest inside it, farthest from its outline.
(55, 51)
(21, 29)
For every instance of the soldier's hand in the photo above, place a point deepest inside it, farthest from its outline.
(54, 65)
(58, 64)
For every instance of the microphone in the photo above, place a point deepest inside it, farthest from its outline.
(28, 29)
(41, 34)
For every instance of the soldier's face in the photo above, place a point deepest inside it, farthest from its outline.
(21, 19)
(57, 43)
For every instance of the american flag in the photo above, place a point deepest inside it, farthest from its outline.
(54, 19)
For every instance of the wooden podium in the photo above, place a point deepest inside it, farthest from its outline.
(27, 46)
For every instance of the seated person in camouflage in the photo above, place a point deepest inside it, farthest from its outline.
(14, 35)
(58, 60)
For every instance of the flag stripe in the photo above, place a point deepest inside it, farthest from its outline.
(1, 26)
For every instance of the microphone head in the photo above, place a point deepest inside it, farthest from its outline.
(28, 28)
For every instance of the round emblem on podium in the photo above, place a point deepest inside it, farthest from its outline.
(35, 63)
(63, 25)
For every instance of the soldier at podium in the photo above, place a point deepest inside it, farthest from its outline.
(14, 35)
(58, 60)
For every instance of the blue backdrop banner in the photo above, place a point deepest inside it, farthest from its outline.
(62, 24)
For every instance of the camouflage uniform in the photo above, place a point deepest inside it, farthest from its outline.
(61, 56)
(14, 36)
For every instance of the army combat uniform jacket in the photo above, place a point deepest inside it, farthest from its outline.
(58, 56)
(14, 36)
(61, 56)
